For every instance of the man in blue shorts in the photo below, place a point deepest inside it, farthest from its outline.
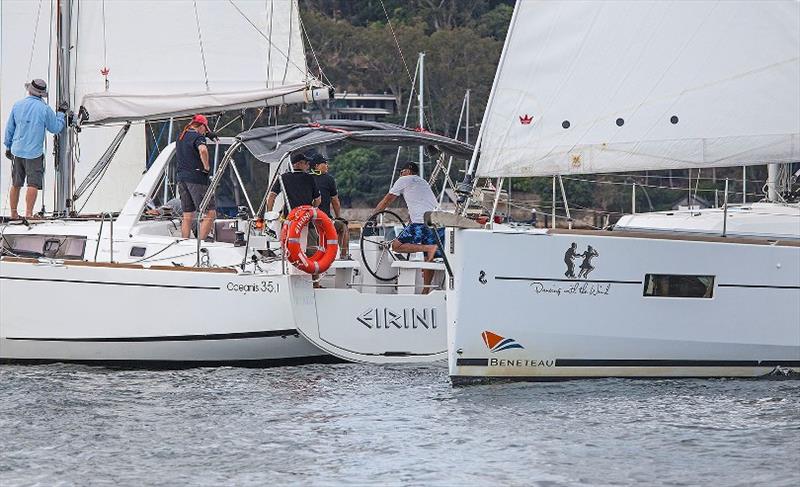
(416, 237)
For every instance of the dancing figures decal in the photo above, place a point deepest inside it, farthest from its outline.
(586, 265)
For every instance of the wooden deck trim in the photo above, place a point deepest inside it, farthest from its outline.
(83, 263)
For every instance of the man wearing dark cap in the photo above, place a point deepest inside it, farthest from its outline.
(24, 141)
(298, 186)
(330, 198)
(416, 237)
(299, 189)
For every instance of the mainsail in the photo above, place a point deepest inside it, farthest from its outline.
(590, 87)
(153, 59)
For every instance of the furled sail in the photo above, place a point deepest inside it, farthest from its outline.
(590, 87)
(152, 58)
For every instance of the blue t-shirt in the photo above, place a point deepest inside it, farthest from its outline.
(26, 126)
(190, 166)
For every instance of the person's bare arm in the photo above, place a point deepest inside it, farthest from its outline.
(203, 151)
(316, 201)
(337, 207)
(271, 200)
(385, 202)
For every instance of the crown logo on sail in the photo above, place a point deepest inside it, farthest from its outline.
(525, 119)
(497, 343)
(104, 71)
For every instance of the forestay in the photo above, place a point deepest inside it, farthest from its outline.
(153, 58)
(589, 87)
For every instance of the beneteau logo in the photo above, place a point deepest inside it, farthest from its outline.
(497, 343)
(525, 119)
(406, 318)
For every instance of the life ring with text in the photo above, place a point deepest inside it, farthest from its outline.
(291, 233)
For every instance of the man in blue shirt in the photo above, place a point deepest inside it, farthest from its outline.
(24, 141)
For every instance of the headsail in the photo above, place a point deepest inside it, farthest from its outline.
(152, 59)
(589, 87)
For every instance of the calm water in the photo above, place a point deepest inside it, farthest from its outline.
(358, 425)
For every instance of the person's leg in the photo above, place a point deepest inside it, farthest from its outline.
(186, 224)
(188, 208)
(17, 181)
(409, 248)
(207, 224)
(13, 200)
(31, 193)
(343, 235)
(34, 171)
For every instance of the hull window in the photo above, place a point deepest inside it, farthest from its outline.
(678, 286)
(50, 246)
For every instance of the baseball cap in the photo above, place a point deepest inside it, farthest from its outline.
(201, 119)
(317, 158)
(298, 156)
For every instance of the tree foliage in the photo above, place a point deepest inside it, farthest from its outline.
(358, 51)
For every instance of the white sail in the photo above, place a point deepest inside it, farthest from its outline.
(590, 87)
(152, 58)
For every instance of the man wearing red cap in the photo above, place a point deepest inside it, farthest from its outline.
(193, 176)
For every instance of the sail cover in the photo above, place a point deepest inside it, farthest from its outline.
(590, 87)
(271, 144)
(152, 58)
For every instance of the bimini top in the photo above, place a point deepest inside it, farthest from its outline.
(271, 144)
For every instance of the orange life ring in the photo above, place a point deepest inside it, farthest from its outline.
(296, 221)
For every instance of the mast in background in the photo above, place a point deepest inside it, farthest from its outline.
(421, 99)
(63, 142)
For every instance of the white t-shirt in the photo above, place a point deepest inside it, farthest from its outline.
(418, 195)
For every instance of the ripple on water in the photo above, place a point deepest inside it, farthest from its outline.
(393, 425)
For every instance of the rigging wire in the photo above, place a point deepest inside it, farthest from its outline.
(200, 40)
(385, 13)
(267, 38)
(322, 75)
(35, 32)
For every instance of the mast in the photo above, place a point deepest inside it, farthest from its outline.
(421, 110)
(63, 144)
(772, 182)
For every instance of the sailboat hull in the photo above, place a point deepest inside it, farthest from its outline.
(546, 305)
(125, 314)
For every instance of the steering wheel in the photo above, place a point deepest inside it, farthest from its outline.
(373, 237)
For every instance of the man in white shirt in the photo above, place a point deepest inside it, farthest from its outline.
(416, 237)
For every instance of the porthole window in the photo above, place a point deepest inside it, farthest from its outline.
(620, 122)
(678, 286)
(673, 119)
(565, 124)
(138, 251)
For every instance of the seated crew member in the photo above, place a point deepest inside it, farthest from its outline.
(416, 237)
(192, 177)
(171, 209)
(330, 198)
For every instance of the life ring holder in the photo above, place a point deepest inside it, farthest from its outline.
(291, 233)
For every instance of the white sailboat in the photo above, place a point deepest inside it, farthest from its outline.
(596, 87)
(126, 289)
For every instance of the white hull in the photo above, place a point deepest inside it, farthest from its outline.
(374, 328)
(514, 284)
(80, 312)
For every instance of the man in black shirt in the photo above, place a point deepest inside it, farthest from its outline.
(299, 186)
(330, 198)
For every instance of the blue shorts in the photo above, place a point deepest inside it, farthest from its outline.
(421, 234)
